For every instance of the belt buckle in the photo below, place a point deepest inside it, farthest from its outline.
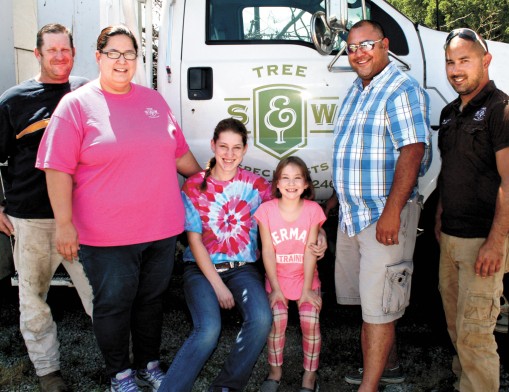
(222, 269)
(228, 265)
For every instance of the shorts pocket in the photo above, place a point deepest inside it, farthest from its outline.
(398, 281)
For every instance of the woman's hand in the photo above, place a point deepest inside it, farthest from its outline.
(67, 241)
(224, 296)
(311, 297)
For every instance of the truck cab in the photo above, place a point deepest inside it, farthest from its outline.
(257, 61)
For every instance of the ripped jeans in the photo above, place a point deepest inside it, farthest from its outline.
(471, 306)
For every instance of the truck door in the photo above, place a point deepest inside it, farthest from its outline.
(255, 61)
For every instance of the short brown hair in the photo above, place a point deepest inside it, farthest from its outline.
(373, 23)
(52, 28)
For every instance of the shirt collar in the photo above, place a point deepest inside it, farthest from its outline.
(379, 78)
(478, 100)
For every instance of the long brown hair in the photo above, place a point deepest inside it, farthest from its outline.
(309, 192)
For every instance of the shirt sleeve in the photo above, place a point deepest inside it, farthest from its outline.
(61, 143)
(182, 146)
(409, 123)
(264, 189)
(408, 114)
(318, 216)
(193, 219)
(261, 214)
(6, 133)
(499, 127)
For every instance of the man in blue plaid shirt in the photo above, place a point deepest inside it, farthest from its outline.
(381, 146)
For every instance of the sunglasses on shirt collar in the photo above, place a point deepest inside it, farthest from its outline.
(465, 33)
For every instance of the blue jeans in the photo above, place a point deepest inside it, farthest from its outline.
(246, 286)
(128, 284)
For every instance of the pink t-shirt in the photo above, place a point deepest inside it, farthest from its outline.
(289, 240)
(121, 151)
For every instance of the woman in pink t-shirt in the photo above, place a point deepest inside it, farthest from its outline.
(288, 224)
(111, 153)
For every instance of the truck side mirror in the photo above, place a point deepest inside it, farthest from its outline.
(323, 37)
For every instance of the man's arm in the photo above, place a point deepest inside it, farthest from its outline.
(5, 224)
(5, 137)
(491, 253)
(405, 178)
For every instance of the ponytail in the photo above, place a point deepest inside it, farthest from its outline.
(208, 170)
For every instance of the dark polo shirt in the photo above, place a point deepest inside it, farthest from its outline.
(469, 179)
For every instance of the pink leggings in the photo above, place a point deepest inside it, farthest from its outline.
(311, 337)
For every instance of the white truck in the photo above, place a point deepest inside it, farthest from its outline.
(263, 62)
(256, 61)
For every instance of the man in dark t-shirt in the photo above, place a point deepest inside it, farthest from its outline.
(473, 213)
(26, 212)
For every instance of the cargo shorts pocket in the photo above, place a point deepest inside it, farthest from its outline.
(398, 280)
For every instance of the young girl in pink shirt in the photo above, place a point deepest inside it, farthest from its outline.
(287, 224)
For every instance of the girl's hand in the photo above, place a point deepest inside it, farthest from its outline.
(276, 296)
(224, 296)
(320, 247)
(311, 297)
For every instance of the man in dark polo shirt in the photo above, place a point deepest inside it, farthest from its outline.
(473, 213)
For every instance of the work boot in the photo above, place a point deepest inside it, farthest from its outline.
(53, 382)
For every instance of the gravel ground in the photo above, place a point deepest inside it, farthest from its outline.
(424, 347)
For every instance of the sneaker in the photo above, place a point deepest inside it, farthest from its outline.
(124, 382)
(151, 377)
(389, 376)
(269, 385)
(52, 382)
(503, 317)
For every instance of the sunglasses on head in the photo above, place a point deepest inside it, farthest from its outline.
(465, 34)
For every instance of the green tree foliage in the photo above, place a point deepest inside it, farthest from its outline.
(488, 17)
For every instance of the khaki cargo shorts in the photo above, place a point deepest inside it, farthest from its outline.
(376, 276)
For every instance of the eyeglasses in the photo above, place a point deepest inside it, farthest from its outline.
(465, 34)
(365, 46)
(113, 54)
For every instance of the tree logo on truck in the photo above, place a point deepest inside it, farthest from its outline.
(279, 126)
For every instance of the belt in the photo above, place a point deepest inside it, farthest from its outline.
(222, 267)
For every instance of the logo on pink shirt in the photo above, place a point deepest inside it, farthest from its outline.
(151, 113)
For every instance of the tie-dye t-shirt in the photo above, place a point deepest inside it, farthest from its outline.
(223, 215)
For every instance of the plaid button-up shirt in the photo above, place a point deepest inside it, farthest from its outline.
(373, 124)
